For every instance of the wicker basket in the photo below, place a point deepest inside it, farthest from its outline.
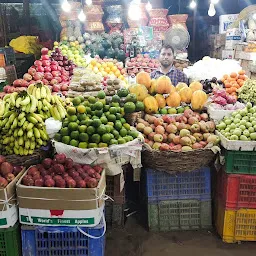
(132, 117)
(28, 160)
(171, 162)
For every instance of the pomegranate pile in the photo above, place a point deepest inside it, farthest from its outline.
(8, 172)
(62, 172)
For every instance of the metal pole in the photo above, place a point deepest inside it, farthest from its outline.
(26, 15)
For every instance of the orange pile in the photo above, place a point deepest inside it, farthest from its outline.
(234, 81)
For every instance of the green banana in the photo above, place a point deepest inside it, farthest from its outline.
(31, 119)
(39, 141)
(30, 126)
(21, 116)
(37, 117)
(32, 145)
(44, 135)
(18, 101)
(20, 132)
(13, 98)
(2, 107)
(27, 144)
(25, 125)
(33, 104)
(46, 103)
(21, 141)
(39, 105)
(16, 150)
(56, 114)
(38, 93)
(14, 124)
(26, 101)
(36, 133)
(15, 133)
(30, 89)
(30, 134)
(22, 121)
(43, 92)
(27, 110)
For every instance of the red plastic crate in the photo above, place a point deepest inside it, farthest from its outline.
(236, 190)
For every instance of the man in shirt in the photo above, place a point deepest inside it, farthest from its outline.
(166, 67)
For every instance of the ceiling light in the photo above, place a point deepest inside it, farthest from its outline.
(81, 16)
(134, 11)
(66, 7)
(148, 6)
(214, 1)
(254, 16)
(88, 2)
(211, 11)
(192, 4)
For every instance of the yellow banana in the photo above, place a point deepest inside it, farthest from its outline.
(14, 124)
(26, 101)
(38, 93)
(36, 133)
(34, 91)
(30, 126)
(20, 132)
(21, 116)
(6, 97)
(46, 103)
(57, 99)
(25, 125)
(31, 119)
(39, 105)
(44, 135)
(22, 121)
(30, 89)
(61, 111)
(33, 103)
(43, 92)
(37, 117)
(6, 107)
(27, 110)
(13, 98)
(53, 100)
(56, 114)
(30, 134)
(18, 101)
(2, 107)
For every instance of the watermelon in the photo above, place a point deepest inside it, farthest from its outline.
(110, 53)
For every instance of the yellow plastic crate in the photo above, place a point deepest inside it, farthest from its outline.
(236, 225)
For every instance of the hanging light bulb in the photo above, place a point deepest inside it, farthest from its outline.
(214, 1)
(192, 4)
(254, 16)
(81, 16)
(88, 2)
(134, 11)
(66, 7)
(211, 11)
(148, 6)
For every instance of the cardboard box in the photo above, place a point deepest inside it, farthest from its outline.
(220, 40)
(248, 56)
(8, 203)
(228, 54)
(225, 21)
(233, 37)
(61, 206)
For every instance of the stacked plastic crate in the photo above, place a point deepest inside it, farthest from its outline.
(180, 201)
(235, 204)
(115, 206)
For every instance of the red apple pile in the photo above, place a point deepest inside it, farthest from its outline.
(62, 172)
(141, 63)
(185, 132)
(7, 172)
(54, 71)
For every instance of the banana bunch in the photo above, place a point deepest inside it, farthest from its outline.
(21, 101)
(22, 133)
(40, 91)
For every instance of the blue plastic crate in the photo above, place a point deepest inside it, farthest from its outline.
(186, 185)
(63, 241)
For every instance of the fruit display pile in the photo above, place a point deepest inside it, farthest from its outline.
(247, 93)
(92, 123)
(241, 125)
(105, 45)
(23, 114)
(8, 172)
(221, 100)
(72, 50)
(234, 81)
(62, 172)
(54, 71)
(157, 95)
(108, 68)
(141, 63)
(210, 84)
(188, 131)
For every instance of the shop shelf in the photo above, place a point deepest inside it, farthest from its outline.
(186, 185)
(240, 162)
(63, 241)
(179, 215)
(10, 241)
(236, 190)
(235, 225)
(113, 189)
(114, 214)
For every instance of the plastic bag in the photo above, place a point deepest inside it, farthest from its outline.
(52, 126)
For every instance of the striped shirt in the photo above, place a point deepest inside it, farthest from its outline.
(176, 75)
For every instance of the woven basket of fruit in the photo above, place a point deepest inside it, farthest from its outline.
(28, 160)
(133, 117)
(171, 161)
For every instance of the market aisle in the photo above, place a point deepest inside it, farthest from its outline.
(134, 240)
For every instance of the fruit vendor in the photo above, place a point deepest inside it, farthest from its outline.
(166, 67)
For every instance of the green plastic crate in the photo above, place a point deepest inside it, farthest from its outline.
(179, 215)
(240, 162)
(10, 241)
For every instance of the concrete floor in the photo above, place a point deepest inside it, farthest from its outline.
(135, 240)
